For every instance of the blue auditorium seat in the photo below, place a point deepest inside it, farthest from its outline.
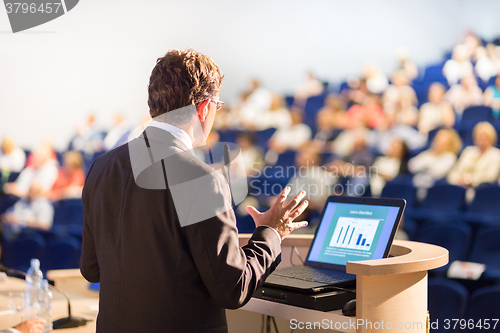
(18, 252)
(262, 137)
(245, 224)
(443, 202)
(61, 253)
(13, 176)
(473, 115)
(447, 299)
(289, 101)
(228, 136)
(454, 237)
(313, 105)
(68, 217)
(405, 191)
(483, 305)
(486, 250)
(485, 208)
(286, 158)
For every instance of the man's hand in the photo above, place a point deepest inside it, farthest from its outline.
(31, 326)
(281, 216)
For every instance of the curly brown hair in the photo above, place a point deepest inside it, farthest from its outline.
(182, 78)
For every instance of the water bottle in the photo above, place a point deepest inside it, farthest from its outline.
(45, 301)
(34, 279)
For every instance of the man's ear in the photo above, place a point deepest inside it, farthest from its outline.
(203, 110)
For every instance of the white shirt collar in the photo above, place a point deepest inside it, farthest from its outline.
(175, 131)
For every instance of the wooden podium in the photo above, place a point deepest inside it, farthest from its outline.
(391, 292)
(394, 290)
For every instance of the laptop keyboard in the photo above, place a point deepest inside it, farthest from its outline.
(313, 274)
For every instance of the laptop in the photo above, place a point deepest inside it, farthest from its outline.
(351, 229)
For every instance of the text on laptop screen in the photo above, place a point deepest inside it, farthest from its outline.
(351, 232)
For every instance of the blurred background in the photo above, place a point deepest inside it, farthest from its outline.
(385, 98)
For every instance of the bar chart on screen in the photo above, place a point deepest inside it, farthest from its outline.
(354, 233)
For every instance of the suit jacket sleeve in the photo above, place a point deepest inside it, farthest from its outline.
(230, 273)
(89, 266)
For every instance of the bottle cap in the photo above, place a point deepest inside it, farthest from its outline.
(35, 263)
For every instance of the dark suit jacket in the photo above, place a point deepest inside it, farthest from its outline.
(155, 275)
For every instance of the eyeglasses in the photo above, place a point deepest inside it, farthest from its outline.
(218, 104)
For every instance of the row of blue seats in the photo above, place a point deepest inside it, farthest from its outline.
(464, 244)
(445, 202)
(450, 300)
(54, 252)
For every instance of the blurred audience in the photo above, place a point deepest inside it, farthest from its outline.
(253, 156)
(32, 211)
(13, 158)
(254, 103)
(292, 137)
(484, 68)
(88, 137)
(376, 81)
(369, 111)
(437, 112)
(435, 163)
(278, 116)
(312, 178)
(459, 66)
(330, 120)
(479, 163)
(42, 170)
(118, 134)
(386, 168)
(70, 178)
(466, 94)
(398, 89)
(310, 87)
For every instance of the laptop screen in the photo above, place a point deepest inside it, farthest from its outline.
(353, 232)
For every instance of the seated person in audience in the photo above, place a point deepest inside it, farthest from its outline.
(329, 121)
(355, 166)
(43, 170)
(370, 112)
(88, 137)
(436, 162)
(255, 102)
(406, 64)
(355, 92)
(459, 65)
(70, 178)
(376, 81)
(436, 112)
(12, 158)
(466, 94)
(492, 97)
(406, 112)
(33, 211)
(395, 92)
(310, 87)
(485, 69)
(252, 155)
(278, 116)
(479, 163)
(386, 168)
(310, 177)
(292, 137)
(344, 144)
(381, 138)
(118, 134)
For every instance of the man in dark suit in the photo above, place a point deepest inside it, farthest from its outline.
(159, 229)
